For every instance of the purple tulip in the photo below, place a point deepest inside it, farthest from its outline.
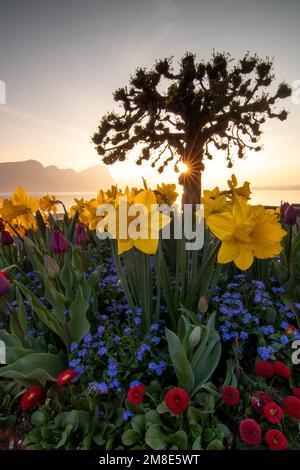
(284, 207)
(6, 238)
(81, 236)
(290, 215)
(4, 284)
(1, 226)
(58, 243)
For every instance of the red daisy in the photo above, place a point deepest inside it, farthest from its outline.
(31, 397)
(177, 400)
(273, 412)
(292, 406)
(65, 377)
(281, 369)
(230, 395)
(276, 440)
(135, 395)
(264, 369)
(250, 432)
(296, 392)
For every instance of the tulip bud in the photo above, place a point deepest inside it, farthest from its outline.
(290, 215)
(202, 305)
(6, 238)
(81, 236)
(51, 267)
(58, 242)
(284, 207)
(195, 337)
(4, 284)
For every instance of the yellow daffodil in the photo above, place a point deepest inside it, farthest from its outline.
(21, 206)
(246, 232)
(48, 203)
(166, 193)
(214, 202)
(242, 191)
(90, 210)
(148, 225)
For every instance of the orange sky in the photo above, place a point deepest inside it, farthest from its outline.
(61, 64)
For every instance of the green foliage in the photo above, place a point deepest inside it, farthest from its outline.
(154, 427)
(195, 353)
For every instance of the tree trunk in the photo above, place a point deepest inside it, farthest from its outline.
(191, 180)
(192, 188)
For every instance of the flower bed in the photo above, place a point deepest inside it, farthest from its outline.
(142, 344)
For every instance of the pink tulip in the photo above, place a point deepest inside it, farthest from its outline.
(4, 284)
(81, 236)
(6, 238)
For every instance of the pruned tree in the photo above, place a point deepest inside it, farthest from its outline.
(185, 115)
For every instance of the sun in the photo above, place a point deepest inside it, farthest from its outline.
(182, 167)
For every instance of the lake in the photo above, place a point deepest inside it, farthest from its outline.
(265, 197)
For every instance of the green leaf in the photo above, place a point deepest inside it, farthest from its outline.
(44, 315)
(138, 424)
(215, 445)
(21, 315)
(152, 417)
(33, 368)
(208, 434)
(180, 362)
(65, 436)
(130, 437)
(194, 415)
(155, 438)
(38, 418)
(79, 325)
(179, 439)
(162, 408)
(57, 300)
(10, 340)
(66, 276)
(13, 354)
(197, 444)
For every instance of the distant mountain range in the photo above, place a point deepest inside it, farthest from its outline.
(37, 178)
(277, 188)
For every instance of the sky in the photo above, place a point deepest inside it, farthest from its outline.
(62, 59)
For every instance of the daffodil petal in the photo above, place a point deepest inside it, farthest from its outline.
(221, 225)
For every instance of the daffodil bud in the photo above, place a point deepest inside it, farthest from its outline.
(202, 304)
(51, 267)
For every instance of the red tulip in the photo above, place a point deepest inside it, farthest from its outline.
(58, 242)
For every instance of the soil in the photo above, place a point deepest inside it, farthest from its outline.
(13, 438)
